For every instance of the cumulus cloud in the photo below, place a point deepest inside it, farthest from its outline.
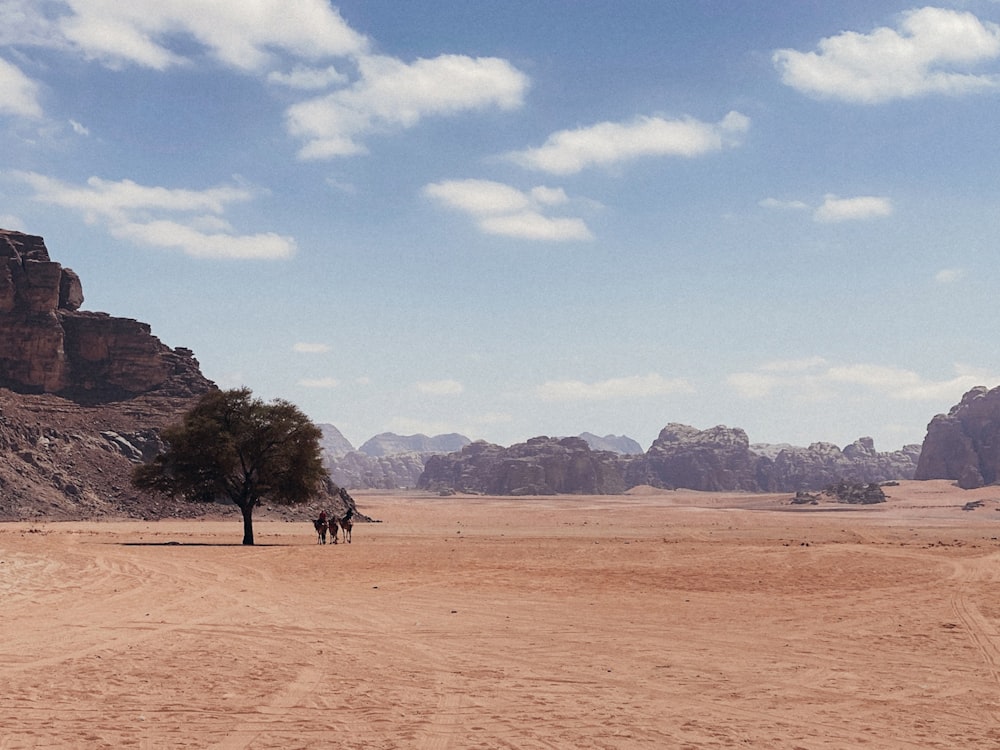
(860, 208)
(136, 212)
(931, 51)
(609, 143)
(500, 209)
(19, 95)
(238, 34)
(440, 387)
(815, 378)
(306, 347)
(635, 386)
(393, 95)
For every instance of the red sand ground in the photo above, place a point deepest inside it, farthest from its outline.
(661, 620)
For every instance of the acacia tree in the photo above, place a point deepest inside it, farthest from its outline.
(236, 447)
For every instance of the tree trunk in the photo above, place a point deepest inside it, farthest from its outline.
(247, 510)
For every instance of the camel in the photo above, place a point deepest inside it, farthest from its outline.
(345, 523)
(320, 524)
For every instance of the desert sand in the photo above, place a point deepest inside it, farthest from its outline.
(654, 619)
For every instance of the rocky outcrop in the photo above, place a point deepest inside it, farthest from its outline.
(540, 466)
(390, 444)
(358, 470)
(714, 460)
(719, 459)
(964, 444)
(48, 345)
(822, 464)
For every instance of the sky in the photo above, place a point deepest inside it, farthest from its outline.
(508, 218)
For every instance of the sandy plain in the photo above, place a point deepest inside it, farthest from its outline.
(655, 619)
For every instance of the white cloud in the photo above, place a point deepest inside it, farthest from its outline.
(319, 382)
(949, 275)
(393, 95)
(503, 210)
(240, 34)
(440, 387)
(635, 386)
(814, 378)
(305, 347)
(863, 207)
(608, 143)
(134, 212)
(78, 128)
(531, 225)
(931, 52)
(18, 93)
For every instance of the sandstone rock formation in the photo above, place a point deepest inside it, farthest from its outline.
(541, 466)
(964, 444)
(83, 395)
(719, 459)
(48, 345)
(713, 460)
(822, 464)
(358, 470)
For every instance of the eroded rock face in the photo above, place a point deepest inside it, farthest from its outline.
(48, 345)
(715, 460)
(964, 444)
(540, 466)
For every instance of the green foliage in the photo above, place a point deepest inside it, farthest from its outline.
(233, 446)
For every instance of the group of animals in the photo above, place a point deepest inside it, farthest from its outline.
(334, 525)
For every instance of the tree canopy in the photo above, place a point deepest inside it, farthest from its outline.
(234, 446)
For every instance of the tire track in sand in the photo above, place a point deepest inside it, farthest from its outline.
(977, 626)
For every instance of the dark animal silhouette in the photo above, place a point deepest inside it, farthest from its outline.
(320, 524)
(346, 523)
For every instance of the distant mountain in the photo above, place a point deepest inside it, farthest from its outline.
(390, 444)
(620, 444)
(333, 443)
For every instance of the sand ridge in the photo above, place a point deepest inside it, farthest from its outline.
(655, 619)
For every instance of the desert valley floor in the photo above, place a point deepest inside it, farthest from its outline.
(654, 619)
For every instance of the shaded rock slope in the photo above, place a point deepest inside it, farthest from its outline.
(964, 444)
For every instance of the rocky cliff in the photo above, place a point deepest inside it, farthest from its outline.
(719, 459)
(49, 345)
(964, 444)
(540, 466)
(83, 395)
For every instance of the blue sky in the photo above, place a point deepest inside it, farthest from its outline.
(513, 218)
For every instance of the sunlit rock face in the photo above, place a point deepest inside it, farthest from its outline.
(48, 345)
(964, 444)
